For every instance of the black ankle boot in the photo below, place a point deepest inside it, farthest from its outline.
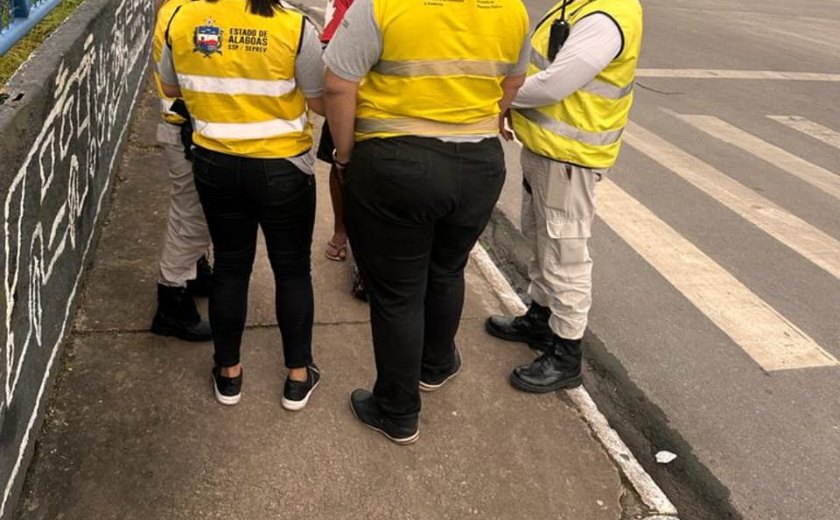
(557, 368)
(177, 316)
(203, 283)
(531, 328)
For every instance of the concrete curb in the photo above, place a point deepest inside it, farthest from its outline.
(639, 420)
(649, 492)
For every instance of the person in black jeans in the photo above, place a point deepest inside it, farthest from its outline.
(240, 194)
(250, 108)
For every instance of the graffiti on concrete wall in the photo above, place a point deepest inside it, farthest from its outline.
(51, 208)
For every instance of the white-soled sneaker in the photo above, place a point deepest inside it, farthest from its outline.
(228, 390)
(296, 393)
(432, 382)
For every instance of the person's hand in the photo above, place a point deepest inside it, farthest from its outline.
(504, 126)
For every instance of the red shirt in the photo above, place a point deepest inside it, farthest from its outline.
(340, 7)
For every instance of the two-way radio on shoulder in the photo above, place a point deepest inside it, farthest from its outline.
(559, 33)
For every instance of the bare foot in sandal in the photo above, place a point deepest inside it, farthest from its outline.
(337, 248)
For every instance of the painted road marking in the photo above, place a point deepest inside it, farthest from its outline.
(735, 74)
(650, 493)
(802, 36)
(810, 128)
(805, 239)
(765, 335)
(811, 173)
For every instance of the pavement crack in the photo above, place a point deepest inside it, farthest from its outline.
(93, 332)
(662, 92)
(79, 332)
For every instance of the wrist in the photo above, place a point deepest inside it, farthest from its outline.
(340, 160)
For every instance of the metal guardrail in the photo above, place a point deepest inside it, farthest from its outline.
(17, 17)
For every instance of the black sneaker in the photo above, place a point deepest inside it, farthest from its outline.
(228, 390)
(429, 382)
(296, 393)
(400, 430)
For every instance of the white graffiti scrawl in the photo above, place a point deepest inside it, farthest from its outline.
(50, 209)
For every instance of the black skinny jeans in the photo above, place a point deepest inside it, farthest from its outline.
(238, 195)
(414, 208)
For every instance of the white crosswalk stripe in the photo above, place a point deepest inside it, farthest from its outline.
(810, 128)
(770, 339)
(772, 75)
(810, 242)
(762, 332)
(817, 176)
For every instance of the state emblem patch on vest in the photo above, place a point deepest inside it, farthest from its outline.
(208, 39)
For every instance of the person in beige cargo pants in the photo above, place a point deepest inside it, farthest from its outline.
(184, 271)
(569, 116)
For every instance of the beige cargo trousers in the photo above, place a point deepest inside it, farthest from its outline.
(187, 237)
(558, 207)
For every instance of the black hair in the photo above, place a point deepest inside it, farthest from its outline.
(260, 7)
(264, 7)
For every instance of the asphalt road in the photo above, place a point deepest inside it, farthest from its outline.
(717, 249)
(717, 253)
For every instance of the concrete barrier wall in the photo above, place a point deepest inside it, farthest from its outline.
(61, 131)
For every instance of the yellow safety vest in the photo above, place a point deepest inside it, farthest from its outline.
(236, 71)
(585, 128)
(164, 14)
(441, 67)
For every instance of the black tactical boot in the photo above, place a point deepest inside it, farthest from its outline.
(203, 283)
(531, 328)
(177, 316)
(558, 367)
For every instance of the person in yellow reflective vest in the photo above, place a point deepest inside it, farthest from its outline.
(415, 93)
(184, 271)
(249, 71)
(569, 116)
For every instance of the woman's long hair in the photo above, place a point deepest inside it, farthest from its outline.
(264, 7)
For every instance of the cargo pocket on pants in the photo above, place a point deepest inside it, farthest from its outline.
(570, 202)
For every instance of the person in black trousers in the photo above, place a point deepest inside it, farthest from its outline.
(417, 104)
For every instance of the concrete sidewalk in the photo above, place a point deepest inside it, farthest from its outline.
(132, 429)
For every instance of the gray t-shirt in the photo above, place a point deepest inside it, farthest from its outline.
(357, 47)
(309, 76)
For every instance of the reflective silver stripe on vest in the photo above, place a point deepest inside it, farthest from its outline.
(596, 86)
(443, 68)
(236, 86)
(165, 105)
(538, 60)
(407, 125)
(568, 131)
(607, 90)
(255, 130)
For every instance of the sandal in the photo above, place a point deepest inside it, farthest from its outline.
(340, 254)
